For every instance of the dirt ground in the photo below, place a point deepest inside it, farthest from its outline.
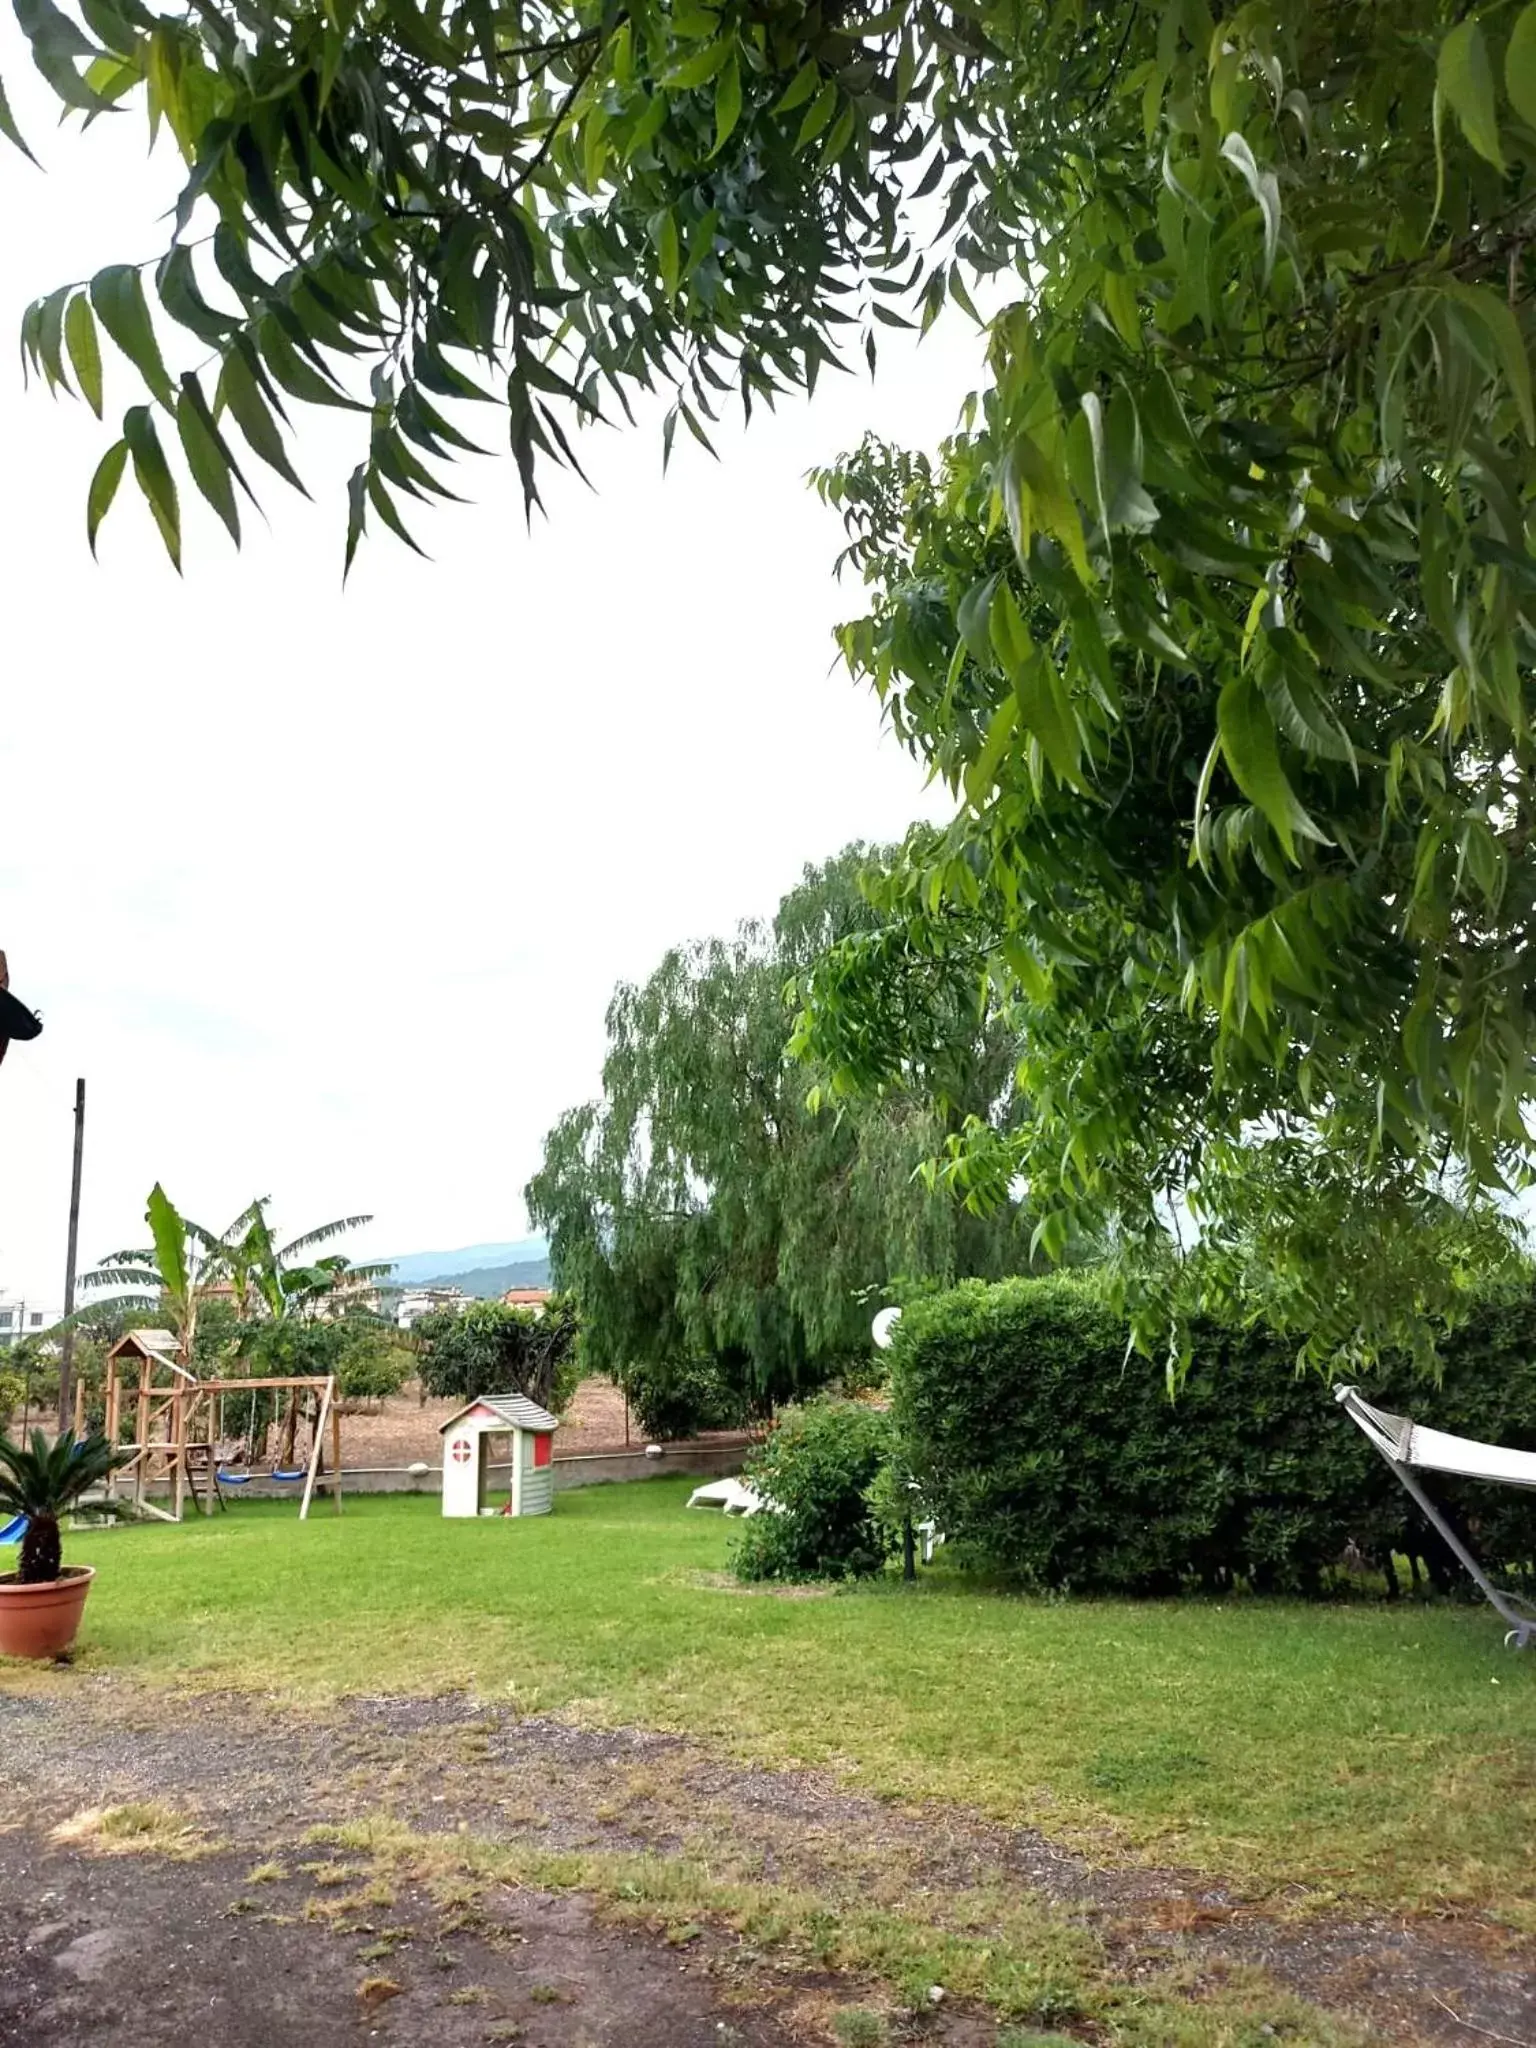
(132, 1944)
(406, 1429)
(226, 1916)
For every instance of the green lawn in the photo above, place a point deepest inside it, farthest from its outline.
(1384, 1754)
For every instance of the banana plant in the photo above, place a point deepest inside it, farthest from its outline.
(281, 1278)
(172, 1274)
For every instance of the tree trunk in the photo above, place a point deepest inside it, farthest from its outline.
(41, 1551)
(290, 1432)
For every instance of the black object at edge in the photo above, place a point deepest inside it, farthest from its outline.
(16, 1020)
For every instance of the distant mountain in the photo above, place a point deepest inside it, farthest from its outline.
(418, 1269)
(491, 1282)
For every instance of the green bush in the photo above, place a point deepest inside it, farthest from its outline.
(491, 1348)
(818, 1468)
(675, 1401)
(34, 1365)
(1050, 1451)
(374, 1370)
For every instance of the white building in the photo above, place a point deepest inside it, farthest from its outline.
(417, 1302)
(21, 1318)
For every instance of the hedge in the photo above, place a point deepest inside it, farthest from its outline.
(1051, 1453)
(817, 1467)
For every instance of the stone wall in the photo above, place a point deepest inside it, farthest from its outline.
(605, 1468)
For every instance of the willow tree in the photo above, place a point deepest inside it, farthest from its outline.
(1217, 613)
(703, 1209)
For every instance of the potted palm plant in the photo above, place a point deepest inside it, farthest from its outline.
(41, 1601)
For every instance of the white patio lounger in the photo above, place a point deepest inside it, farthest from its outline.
(731, 1496)
(1408, 1446)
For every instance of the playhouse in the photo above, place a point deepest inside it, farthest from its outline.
(467, 1441)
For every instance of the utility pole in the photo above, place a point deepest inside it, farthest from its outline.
(67, 1351)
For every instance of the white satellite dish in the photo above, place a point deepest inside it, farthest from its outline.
(883, 1327)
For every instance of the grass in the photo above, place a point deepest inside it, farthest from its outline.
(140, 1827)
(1360, 1750)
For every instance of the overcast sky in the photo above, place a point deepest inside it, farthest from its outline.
(325, 893)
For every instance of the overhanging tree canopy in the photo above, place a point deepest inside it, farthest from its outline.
(1216, 615)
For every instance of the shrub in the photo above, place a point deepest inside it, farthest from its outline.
(1045, 1448)
(817, 1468)
(374, 1370)
(34, 1364)
(672, 1402)
(490, 1348)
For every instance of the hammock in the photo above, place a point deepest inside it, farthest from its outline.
(245, 1478)
(1408, 1447)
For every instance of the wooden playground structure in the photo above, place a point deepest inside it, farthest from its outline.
(174, 1420)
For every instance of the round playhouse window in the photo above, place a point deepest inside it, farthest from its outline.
(462, 1450)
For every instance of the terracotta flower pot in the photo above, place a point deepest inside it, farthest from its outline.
(41, 1620)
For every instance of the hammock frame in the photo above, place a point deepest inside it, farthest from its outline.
(1393, 1437)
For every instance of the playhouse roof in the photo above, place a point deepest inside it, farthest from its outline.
(160, 1345)
(515, 1410)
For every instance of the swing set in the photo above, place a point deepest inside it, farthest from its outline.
(174, 1420)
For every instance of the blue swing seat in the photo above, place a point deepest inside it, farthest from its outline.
(277, 1475)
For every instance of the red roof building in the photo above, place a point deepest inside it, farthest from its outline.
(527, 1297)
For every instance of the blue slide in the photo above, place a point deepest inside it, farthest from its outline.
(13, 1530)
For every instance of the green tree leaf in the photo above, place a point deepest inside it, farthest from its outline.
(154, 478)
(1035, 491)
(176, 282)
(57, 42)
(700, 68)
(8, 126)
(109, 474)
(805, 82)
(727, 104)
(1248, 741)
(1465, 76)
(817, 114)
(669, 253)
(50, 337)
(84, 350)
(117, 293)
(170, 1237)
(357, 514)
(1520, 65)
(1504, 330)
(239, 390)
(208, 458)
